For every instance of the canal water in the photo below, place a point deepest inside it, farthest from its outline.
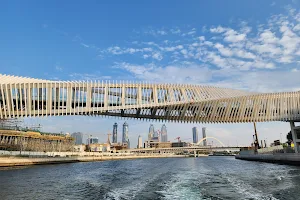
(163, 178)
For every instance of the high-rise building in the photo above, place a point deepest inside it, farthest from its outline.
(155, 134)
(125, 133)
(140, 142)
(204, 136)
(128, 143)
(163, 133)
(151, 132)
(78, 137)
(115, 133)
(92, 140)
(195, 135)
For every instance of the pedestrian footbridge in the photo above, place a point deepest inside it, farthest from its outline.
(29, 97)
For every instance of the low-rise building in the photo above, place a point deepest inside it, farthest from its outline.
(118, 146)
(180, 144)
(95, 147)
(80, 148)
(156, 144)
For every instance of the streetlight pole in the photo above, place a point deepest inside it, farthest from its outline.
(280, 138)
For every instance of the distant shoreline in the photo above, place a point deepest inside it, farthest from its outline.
(23, 161)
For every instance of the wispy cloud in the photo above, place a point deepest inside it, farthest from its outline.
(85, 45)
(58, 68)
(89, 77)
(274, 44)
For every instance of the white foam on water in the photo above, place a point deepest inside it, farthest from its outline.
(178, 187)
(130, 190)
(248, 191)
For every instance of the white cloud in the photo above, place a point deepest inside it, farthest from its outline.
(187, 72)
(175, 31)
(191, 32)
(218, 29)
(173, 74)
(224, 51)
(116, 50)
(184, 51)
(201, 38)
(162, 32)
(157, 56)
(297, 27)
(145, 56)
(234, 36)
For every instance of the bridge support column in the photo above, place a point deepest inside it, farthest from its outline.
(195, 154)
(295, 132)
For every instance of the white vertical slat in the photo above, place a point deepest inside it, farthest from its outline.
(123, 95)
(42, 99)
(16, 99)
(11, 101)
(93, 96)
(59, 99)
(2, 106)
(63, 98)
(97, 96)
(82, 97)
(22, 112)
(38, 99)
(54, 99)
(78, 97)
(29, 97)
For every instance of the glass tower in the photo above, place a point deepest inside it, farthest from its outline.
(125, 133)
(115, 133)
(164, 135)
(151, 132)
(78, 137)
(195, 135)
(204, 136)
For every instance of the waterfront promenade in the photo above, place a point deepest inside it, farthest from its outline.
(40, 158)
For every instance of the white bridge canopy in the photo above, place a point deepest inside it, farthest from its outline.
(28, 97)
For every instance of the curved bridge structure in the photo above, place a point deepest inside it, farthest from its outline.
(28, 97)
(209, 137)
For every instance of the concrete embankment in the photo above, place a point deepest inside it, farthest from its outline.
(21, 161)
(284, 158)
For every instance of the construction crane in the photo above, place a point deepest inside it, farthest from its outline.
(108, 135)
(178, 138)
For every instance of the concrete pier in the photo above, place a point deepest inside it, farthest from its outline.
(284, 158)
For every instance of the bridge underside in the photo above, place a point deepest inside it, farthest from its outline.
(26, 97)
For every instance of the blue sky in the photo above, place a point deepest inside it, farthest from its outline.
(251, 45)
